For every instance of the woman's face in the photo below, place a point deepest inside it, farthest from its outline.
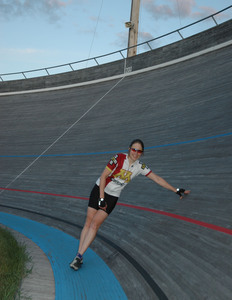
(135, 151)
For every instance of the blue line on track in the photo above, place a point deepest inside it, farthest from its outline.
(125, 150)
(93, 281)
(192, 141)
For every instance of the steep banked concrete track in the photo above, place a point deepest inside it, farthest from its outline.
(159, 247)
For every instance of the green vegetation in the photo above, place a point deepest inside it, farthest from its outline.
(13, 259)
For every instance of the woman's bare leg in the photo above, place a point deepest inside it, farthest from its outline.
(93, 222)
(90, 215)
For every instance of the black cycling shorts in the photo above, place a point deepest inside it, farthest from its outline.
(94, 198)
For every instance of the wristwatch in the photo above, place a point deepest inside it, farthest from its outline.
(101, 202)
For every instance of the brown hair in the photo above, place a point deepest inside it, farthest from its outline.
(137, 141)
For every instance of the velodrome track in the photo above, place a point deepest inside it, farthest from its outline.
(55, 144)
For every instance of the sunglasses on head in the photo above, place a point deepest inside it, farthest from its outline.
(137, 150)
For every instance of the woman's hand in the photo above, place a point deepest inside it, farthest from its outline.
(102, 204)
(182, 191)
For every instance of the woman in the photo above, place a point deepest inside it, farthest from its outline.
(120, 170)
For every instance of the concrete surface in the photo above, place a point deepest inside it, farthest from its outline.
(39, 283)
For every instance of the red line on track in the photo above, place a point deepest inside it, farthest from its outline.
(182, 218)
(43, 193)
(160, 212)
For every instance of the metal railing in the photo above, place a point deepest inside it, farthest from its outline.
(95, 61)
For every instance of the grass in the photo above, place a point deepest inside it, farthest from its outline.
(13, 260)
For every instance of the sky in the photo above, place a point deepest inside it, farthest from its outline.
(36, 34)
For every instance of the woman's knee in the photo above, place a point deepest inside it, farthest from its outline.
(98, 219)
(94, 225)
(87, 225)
(89, 218)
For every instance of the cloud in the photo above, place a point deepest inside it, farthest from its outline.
(51, 9)
(121, 40)
(184, 8)
(203, 12)
(27, 51)
(158, 10)
(21, 51)
(177, 8)
(145, 36)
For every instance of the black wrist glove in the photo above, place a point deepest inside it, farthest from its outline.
(101, 202)
(180, 192)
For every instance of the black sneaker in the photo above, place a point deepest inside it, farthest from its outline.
(76, 263)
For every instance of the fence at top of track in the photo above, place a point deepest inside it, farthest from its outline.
(95, 61)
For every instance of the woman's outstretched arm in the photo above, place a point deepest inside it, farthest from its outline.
(159, 180)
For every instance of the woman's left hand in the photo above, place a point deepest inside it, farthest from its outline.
(182, 191)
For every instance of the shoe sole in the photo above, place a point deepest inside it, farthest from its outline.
(72, 266)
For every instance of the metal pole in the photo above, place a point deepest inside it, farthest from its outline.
(133, 26)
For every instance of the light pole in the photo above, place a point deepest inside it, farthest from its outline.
(133, 26)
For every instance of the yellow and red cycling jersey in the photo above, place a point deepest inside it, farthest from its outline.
(122, 173)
